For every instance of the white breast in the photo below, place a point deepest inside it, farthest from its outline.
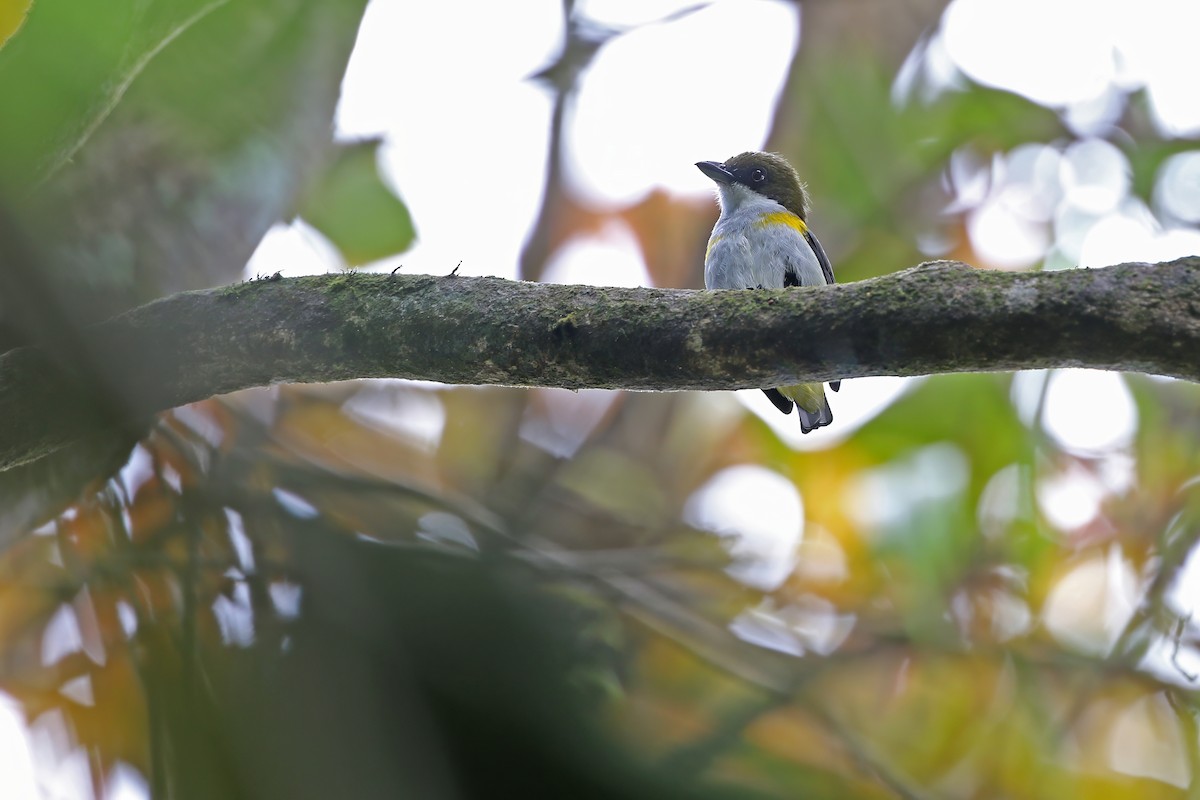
(743, 254)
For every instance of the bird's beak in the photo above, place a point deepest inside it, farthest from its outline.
(715, 170)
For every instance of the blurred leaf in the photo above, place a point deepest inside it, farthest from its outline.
(355, 209)
(990, 120)
(12, 15)
(158, 142)
(620, 486)
(60, 101)
(1146, 158)
(973, 411)
(856, 157)
(55, 105)
(1167, 444)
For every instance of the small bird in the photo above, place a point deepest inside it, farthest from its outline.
(762, 241)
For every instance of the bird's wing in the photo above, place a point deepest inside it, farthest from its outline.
(826, 267)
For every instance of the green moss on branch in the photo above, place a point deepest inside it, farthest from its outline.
(938, 317)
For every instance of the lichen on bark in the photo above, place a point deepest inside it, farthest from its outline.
(934, 318)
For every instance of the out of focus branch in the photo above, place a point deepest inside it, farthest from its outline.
(934, 318)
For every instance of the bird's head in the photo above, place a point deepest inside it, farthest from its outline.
(765, 174)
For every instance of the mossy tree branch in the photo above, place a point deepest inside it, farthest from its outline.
(934, 318)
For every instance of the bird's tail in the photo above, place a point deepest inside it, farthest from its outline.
(811, 404)
(811, 420)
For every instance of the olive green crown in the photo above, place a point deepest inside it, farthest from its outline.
(781, 183)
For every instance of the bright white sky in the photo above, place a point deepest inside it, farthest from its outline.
(446, 84)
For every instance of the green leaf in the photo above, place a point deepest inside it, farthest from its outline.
(12, 16)
(992, 120)
(356, 210)
(55, 74)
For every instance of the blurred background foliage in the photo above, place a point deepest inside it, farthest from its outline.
(386, 589)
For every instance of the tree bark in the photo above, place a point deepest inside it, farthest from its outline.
(937, 317)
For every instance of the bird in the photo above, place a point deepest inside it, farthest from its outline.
(762, 241)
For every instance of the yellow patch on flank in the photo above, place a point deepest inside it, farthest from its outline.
(711, 244)
(781, 218)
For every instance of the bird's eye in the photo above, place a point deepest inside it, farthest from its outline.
(758, 176)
